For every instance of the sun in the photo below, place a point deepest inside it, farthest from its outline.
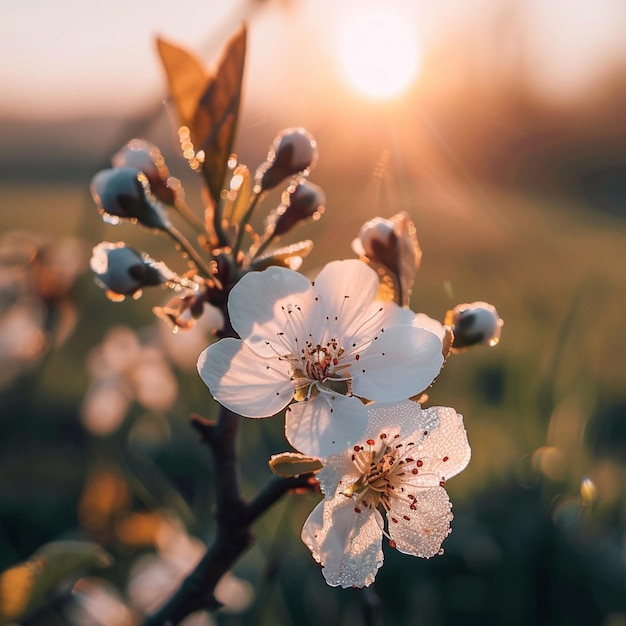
(378, 53)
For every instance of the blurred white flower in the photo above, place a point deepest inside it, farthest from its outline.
(155, 577)
(98, 603)
(400, 468)
(325, 345)
(124, 370)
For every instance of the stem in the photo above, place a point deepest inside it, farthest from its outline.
(244, 221)
(263, 246)
(196, 259)
(184, 209)
(234, 518)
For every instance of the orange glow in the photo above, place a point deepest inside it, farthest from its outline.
(378, 52)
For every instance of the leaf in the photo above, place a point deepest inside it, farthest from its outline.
(187, 78)
(25, 587)
(215, 119)
(207, 104)
(290, 464)
(289, 256)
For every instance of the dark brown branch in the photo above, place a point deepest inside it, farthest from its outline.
(233, 517)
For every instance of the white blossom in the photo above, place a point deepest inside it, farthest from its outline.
(400, 469)
(324, 345)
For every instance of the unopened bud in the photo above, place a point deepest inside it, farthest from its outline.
(145, 156)
(125, 271)
(378, 242)
(475, 323)
(123, 193)
(294, 151)
(391, 243)
(306, 201)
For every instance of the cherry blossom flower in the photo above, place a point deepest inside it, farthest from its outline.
(326, 345)
(401, 467)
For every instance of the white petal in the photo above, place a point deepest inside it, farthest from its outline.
(345, 289)
(243, 381)
(421, 320)
(338, 472)
(403, 361)
(405, 417)
(346, 543)
(395, 315)
(255, 304)
(428, 523)
(448, 441)
(326, 424)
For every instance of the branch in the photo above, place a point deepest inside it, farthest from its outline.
(234, 517)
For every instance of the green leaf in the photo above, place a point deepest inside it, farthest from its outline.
(27, 586)
(290, 464)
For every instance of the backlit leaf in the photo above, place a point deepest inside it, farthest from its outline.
(187, 78)
(215, 120)
(289, 256)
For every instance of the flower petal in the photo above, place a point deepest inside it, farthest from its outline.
(338, 472)
(255, 304)
(403, 361)
(326, 424)
(346, 543)
(446, 449)
(419, 526)
(407, 418)
(345, 289)
(421, 320)
(243, 381)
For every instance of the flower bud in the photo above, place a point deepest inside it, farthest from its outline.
(305, 202)
(391, 243)
(294, 151)
(147, 157)
(123, 193)
(475, 323)
(124, 271)
(377, 242)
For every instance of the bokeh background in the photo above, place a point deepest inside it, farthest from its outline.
(508, 150)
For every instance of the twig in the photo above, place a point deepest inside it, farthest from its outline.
(234, 517)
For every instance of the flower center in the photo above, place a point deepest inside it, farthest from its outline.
(319, 362)
(318, 367)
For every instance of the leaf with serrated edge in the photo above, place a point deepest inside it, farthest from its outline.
(187, 79)
(290, 464)
(215, 119)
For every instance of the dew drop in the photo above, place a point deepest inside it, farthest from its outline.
(111, 219)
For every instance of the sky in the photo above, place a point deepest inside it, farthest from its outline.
(61, 57)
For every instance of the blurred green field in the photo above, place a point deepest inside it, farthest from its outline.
(545, 412)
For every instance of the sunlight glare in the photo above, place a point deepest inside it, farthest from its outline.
(379, 54)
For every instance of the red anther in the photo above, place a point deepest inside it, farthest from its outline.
(419, 462)
(445, 458)
(370, 442)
